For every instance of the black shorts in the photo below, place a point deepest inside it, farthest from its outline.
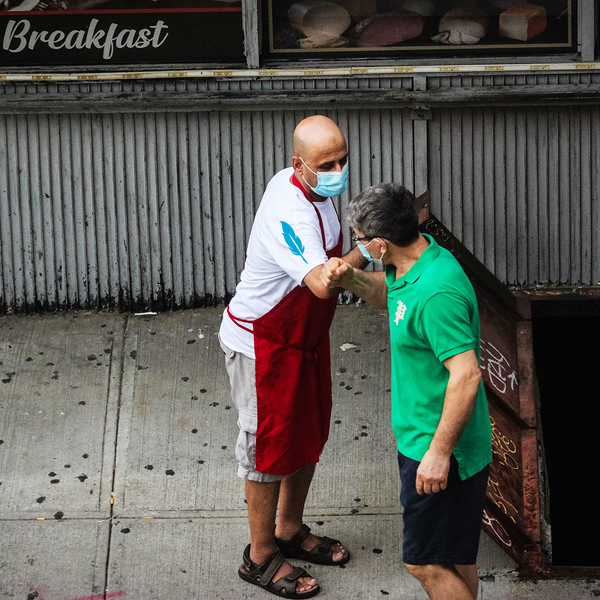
(441, 528)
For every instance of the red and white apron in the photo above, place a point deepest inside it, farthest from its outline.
(293, 375)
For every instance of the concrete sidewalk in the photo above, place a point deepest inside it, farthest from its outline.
(117, 468)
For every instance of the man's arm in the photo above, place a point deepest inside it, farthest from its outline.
(461, 394)
(337, 275)
(316, 283)
(356, 259)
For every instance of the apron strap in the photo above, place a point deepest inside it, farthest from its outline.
(299, 186)
(239, 322)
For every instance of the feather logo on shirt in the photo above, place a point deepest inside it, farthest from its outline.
(293, 241)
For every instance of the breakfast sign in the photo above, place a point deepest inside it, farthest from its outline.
(105, 32)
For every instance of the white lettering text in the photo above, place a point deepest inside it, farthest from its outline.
(19, 36)
(12, 32)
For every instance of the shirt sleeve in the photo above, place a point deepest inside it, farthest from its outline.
(297, 243)
(446, 325)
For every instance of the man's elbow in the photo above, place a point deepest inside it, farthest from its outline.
(467, 378)
(316, 285)
(324, 293)
(475, 376)
(320, 290)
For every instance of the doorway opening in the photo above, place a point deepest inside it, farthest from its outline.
(566, 343)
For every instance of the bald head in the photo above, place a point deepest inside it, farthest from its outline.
(315, 135)
(319, 145)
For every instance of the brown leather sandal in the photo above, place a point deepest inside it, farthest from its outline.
(321, 554)
(262, 575)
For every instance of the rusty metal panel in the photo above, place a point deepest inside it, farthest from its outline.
(513, 514)
(519, 186)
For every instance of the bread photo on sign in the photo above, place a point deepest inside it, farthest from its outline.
(388, 29)
(523, 22)
(358, 9)
(462, 25)
(504, 4)
(322, 23)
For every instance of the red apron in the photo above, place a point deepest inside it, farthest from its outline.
(293, 375)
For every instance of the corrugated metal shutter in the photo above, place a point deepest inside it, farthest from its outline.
(152, 211)
(520, 188)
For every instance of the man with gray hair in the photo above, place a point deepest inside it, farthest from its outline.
(439, 409)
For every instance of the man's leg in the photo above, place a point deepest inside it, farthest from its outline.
(294, 490)
(293, 493)
(470, 577)
(262, 500)
(442, 582)
(446, 524)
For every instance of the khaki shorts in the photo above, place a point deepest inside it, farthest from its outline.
(241, 373)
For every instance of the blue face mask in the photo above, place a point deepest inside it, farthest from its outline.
(329, 183)
(365, 253)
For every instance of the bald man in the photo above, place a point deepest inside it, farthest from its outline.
(275, 336)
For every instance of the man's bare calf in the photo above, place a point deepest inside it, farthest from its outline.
(447, 582)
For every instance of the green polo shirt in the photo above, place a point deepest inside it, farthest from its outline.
(433, 316)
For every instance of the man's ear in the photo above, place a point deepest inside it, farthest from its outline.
(297, 164)
(384, 245)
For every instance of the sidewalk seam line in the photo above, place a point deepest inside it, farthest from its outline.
(114, 462)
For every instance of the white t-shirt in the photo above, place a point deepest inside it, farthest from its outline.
(285, 245)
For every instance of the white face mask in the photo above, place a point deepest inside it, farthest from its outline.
(367, 255)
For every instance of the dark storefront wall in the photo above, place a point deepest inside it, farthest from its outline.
(565, 339)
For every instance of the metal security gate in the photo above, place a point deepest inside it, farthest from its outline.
(520, 186)
(141, 194)
(153, 211)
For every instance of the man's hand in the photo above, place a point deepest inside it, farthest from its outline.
(432, 474)
(461, 395)
(334, 273)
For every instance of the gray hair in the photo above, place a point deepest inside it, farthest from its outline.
(385, 210)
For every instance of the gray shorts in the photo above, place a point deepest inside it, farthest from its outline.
(240, 369)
